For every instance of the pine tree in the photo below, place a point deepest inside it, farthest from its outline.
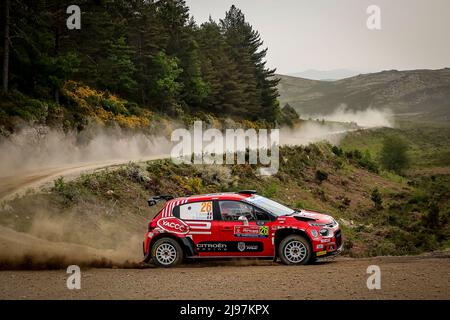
(256, 80)
(94, 42)
(174, 16)
(147, 38)
(219, 71)
(146, 51)
(118, 69)
(166, 86)
(6, 40)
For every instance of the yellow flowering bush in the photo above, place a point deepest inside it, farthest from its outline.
(103, 107)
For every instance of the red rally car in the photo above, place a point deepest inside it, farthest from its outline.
(242, 224)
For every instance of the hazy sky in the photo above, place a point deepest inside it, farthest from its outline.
(331, 34)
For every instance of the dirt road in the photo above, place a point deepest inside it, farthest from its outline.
(401, 278)
(18, 183)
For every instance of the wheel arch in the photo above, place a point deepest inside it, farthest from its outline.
(186, 243)
(280, 234)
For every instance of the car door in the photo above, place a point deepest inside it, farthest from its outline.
(199, 216)
(251, 236)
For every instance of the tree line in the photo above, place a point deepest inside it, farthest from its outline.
(150, 52)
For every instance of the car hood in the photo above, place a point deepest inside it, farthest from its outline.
(317, 217)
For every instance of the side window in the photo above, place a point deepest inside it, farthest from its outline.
(261, 215)
(196, 211)
(232, 210)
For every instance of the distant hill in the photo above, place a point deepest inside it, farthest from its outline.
(418, 93)
(326, 75)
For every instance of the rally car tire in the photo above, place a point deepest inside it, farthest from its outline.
(167, 252)
(295, 250)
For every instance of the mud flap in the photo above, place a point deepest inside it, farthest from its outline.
(147, 257)
(189, 246)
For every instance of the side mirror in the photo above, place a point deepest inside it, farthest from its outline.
(244, 220)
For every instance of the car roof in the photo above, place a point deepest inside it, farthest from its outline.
(215, 196)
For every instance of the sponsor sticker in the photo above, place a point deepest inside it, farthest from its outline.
(241, 246)
(321, 253)
(251, 231)
(212, 246)
(174, 225)
(263, 230)
(230, 246)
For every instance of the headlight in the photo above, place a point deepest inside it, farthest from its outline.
(314, 233)
(335, 223)
(326, 232)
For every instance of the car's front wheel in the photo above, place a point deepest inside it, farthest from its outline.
(294, 250)
(167, 252)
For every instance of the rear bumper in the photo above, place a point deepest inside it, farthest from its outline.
(146, 244)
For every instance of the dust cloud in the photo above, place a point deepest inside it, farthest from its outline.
(84, 236)
(89, 234)
(368, 118)
(39, 147)
(311, 132)
(33, 148)
(334, 125)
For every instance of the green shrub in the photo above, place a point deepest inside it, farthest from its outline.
(431, 218)
(354, 154)
(137, 174)
(366, 162)
(215, 175)
(68, 192)
(321, 176)
(376, 198)
(194, 185)
(337, 151)
(362, 159)
(288, 115)
(114, 106)
(393, 155)
(270, 191)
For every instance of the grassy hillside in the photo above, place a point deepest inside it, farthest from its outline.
(429, 144)
(108, 208)
(424, 94)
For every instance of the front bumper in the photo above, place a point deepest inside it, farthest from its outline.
(325, 247)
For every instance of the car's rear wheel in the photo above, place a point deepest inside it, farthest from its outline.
(167, 252)
(294, 250)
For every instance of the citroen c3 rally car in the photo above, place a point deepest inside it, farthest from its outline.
(242, 224)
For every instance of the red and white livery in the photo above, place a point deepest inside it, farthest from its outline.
(242, 224)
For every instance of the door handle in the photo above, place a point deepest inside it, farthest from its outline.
(227, 228)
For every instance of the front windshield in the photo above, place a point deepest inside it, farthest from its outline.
(269, 205)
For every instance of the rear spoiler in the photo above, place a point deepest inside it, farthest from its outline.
(247, 192)
(154, 200)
